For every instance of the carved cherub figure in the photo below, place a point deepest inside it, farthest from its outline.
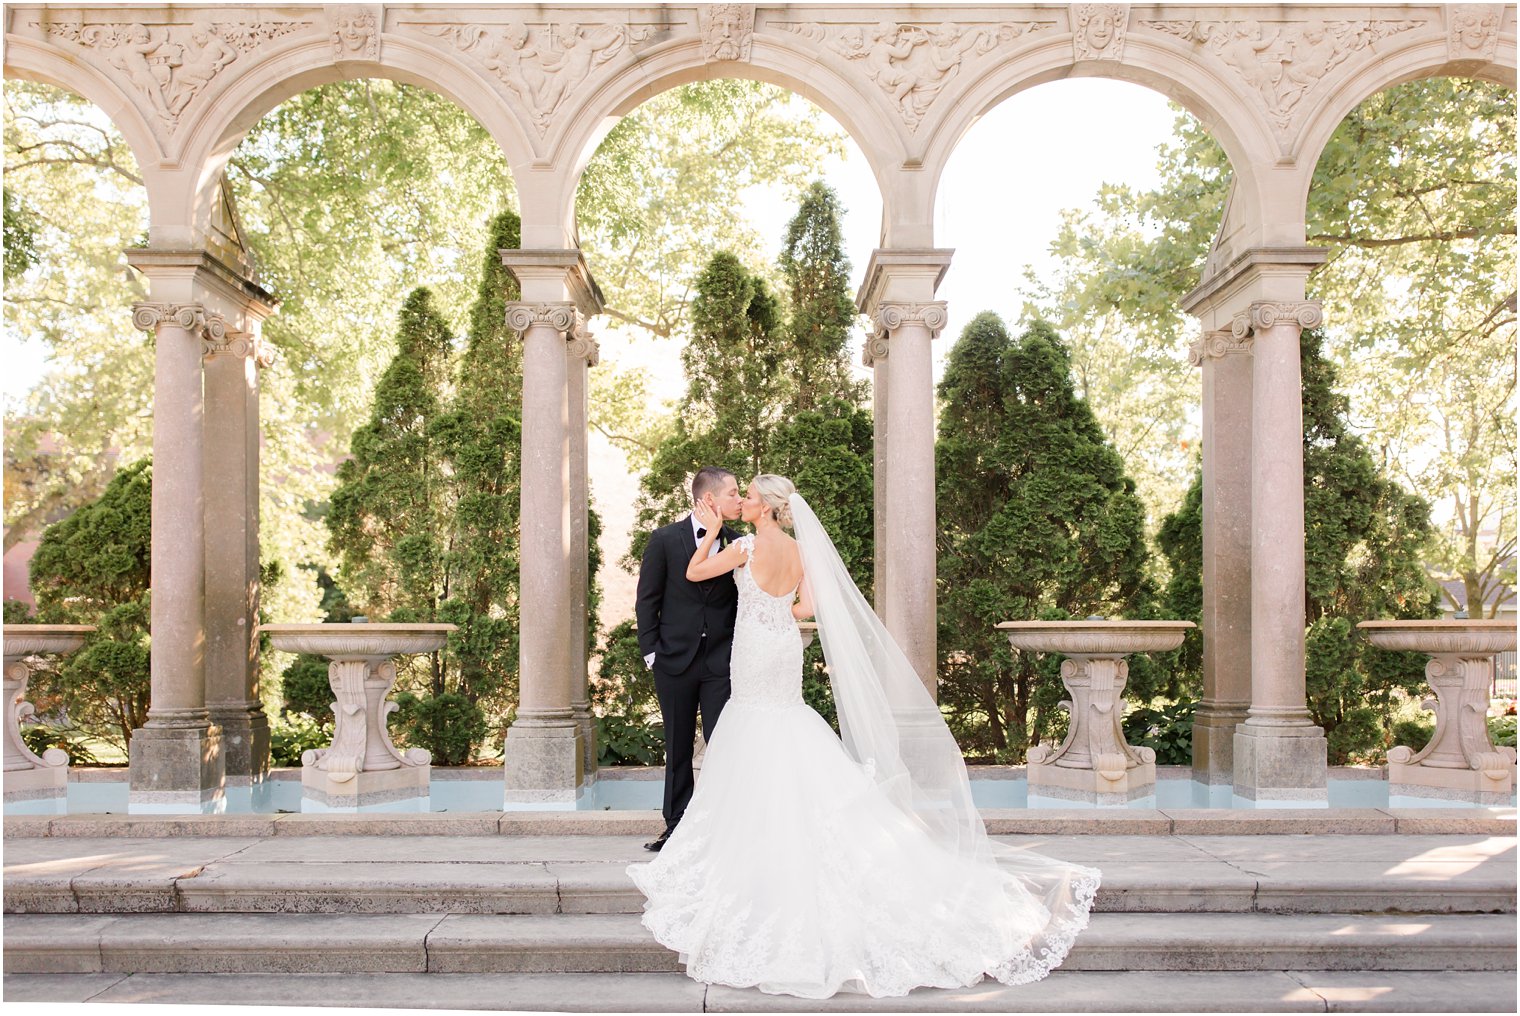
(211, 54)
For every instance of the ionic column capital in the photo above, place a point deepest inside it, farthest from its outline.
(240, 345)
(581, 344)
(1217, 345)
(559, 315)
(888, 317)
(149, 317)
(1264, 314)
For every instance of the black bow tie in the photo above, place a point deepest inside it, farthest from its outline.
(701, 532)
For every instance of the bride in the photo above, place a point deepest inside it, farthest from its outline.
(807, 865)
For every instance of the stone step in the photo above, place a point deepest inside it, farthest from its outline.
(570, 888)
(586, 875)
(618, 943)
(1063, 991)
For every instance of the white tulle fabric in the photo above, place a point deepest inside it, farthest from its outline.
(807, 866)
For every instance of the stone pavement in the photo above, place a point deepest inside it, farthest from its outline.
(1268, 922)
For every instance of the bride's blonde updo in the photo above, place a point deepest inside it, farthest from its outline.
(776, 492)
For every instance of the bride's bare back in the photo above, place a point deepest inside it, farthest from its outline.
(776, 565)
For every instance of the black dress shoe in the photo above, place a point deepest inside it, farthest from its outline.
(659, 843)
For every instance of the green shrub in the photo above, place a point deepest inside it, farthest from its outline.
(621, 741)
(1501, 731)
(294, 733)
(1168, 731)
(73, 741)
(305, 688)
(1413, 731)
(448, 725)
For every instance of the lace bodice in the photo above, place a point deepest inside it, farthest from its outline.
(767, 658)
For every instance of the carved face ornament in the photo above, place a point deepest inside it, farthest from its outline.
(1100, 30)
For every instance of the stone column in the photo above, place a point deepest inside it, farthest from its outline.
(1226, 617)
(582, 353)
(903, 332)
(879, 413)
(231, 484)
(176, 759)
(1280, 755)
(543, 756)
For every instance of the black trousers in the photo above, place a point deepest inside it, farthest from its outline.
(681, 697)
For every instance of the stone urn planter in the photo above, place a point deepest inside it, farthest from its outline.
(41, 780)
(1460, 763)
(1094, 764)
(362, 769)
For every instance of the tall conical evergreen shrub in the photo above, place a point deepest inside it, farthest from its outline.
(1037, 519)
(1364, 546)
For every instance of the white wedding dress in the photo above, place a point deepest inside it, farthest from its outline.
(795, 869)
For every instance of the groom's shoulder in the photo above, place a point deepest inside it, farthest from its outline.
(665, 531)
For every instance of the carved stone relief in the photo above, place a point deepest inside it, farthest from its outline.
(913, 63)
(169, 65)
(355, 34)
(1472, 31)
(1098, 30)
(727, 31)
(1268, 314)
(1282, 62)
(541, 64)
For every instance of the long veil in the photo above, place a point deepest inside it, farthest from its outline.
(892, 726)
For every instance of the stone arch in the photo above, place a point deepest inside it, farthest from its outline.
(1423, 57)
(28, 60)
(219, 127)
(774, 60)
(1152, 61)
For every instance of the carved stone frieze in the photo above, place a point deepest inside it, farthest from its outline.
(559, 316)
(1098, 30)
(1281, 62)
(1266, 314)
(728, 30)
(913, 63)
(169, 65)
(355, 34)
(1472, 31)
(1216, 345)
(541, 64)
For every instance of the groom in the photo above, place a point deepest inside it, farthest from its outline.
(686, 630)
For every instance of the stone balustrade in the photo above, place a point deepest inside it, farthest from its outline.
(362, 769)
(1461, 762)
(34, 782)
(1094, 764)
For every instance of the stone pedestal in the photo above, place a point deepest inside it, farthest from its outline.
(1461, 762)
(1094, 765)
(37, 784)
(1281, 767)
(542, 762)
(362, 770)
(176, 769)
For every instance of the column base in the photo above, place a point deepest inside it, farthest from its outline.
(245, 744)
(1068, 786)
(586, 723)
(1491, 787)
(1281, 766)
(543, 764)
(405, 788)
(175, 771)
(1214, 744)
(42, 790)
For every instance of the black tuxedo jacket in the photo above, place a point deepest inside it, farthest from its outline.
(674, 613)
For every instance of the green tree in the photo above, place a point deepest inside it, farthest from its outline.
(732, 364)
(1414, 195)
(1036, 518)
(480, 438)
(20, 235)
(1365, 540)
(94, 568)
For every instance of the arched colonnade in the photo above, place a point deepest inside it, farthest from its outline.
(184, 83)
